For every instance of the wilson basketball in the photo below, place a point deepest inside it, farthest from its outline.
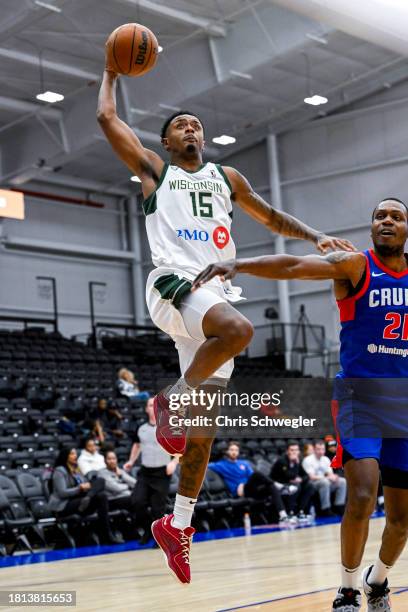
(131, 49)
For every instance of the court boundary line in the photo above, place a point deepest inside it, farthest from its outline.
(284, 597)
(281, 598)
(91, 551)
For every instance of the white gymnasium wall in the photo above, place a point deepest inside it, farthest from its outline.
(49, 223)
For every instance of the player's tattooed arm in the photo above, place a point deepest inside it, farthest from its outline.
(146, 164)
(276, 220)
(338, 266)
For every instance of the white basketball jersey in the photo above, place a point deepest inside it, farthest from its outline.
(188, 218)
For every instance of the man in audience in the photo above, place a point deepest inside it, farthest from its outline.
(128, 386)
(111, 419)
(90, 459)
(118, 483)
(107, 418)
(242, 481)
(321, 475)
(153, 478)
(288, 472)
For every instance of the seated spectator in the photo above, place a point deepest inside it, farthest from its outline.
(118, 483)
(288, 472)
(324, 480)
(242, 481)
(103, 421)
(307, 449)
(93, 428)
(66, 425)
(153, 478)
(111, 420)
(90, 459)
(97, 431)
(72, 494)
(128, 386)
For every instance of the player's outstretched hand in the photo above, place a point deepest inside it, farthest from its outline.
(225, 270)
(326, 243)
(108, 61)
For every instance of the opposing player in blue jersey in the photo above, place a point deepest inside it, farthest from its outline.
(372, 293)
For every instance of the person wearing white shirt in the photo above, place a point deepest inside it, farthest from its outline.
(90, 459)
(322, 477)
(129, 386)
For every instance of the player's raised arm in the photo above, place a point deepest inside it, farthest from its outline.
(340, 265)
(276, 220)
(144, 163)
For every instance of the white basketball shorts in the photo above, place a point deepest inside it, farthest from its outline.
(178, 312)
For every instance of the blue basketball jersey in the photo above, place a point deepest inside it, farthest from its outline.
(370, 395)
(374, 325)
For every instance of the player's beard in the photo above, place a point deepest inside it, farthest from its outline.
(191, 149)
(386, 250)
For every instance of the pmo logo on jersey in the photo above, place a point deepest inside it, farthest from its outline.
(193, 235)
(387, 350)
(220, 236)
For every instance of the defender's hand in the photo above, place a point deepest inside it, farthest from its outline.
(225, 270)
(325, 243)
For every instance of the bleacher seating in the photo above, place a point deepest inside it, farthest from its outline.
(42, 377)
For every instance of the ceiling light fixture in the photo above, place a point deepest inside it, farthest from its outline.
(319, 39)
(224, 140)
(50, 7)
(50, 96)
(241, 75)
(316, 100)
(140, 111)
(135, 179)
(169, 107)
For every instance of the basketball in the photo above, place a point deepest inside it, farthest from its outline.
(132, 50)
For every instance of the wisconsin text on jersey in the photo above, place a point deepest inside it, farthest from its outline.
(183, 185)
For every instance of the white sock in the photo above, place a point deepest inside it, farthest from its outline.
(350, 577)
(379, 572)
(183, 511)
(181, 386)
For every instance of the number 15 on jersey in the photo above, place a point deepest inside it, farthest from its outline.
(202, 204)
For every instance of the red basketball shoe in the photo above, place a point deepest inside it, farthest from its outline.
(172, 438)
(175, 544)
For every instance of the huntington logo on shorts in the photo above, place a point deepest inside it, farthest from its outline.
(221, 237)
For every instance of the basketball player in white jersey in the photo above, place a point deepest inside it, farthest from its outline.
(188, 207)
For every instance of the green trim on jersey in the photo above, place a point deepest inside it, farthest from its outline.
(150, 203)
(225, 177)
(191, 171)
(172, 287)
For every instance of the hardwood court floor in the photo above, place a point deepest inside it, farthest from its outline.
(280, 572)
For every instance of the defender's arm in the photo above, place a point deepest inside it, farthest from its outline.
(340, 265)
(276, 220)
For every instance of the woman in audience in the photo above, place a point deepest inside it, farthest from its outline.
(72, 494)
(128, 386)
